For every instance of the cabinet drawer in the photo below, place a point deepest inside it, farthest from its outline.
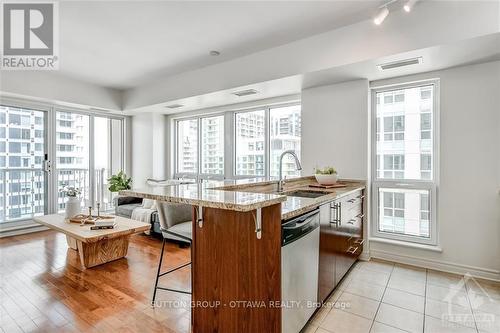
(354, 222)
(355, 246)
(353, 200)
(352, 212)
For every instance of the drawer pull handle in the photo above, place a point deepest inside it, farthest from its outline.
(359, 241)
(351, 200)
(335, 214)
(351, 221)
(361, 196)
(352, 250)
(360, 216)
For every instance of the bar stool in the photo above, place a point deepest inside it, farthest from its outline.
(175, 223)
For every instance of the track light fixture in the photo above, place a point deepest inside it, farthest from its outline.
(381, 15)
(383, 10)
(409, 5)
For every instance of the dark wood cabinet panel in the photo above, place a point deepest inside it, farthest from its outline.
(327, 251)
(231, 265)
(341, 240)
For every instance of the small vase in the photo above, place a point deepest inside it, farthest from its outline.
(72, 207)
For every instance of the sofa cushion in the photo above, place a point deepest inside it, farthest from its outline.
(126, 210)
(124, 200)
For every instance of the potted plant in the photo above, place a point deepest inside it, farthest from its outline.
(119, 182)
(73, 204)
(326, 176)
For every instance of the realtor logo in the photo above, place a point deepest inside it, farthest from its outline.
(30, 36)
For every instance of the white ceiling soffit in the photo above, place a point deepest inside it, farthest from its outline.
(474, 50)
(124, 44)
(430, 24)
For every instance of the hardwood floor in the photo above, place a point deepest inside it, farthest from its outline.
(44, 289)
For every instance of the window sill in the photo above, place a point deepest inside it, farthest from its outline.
(433, 248)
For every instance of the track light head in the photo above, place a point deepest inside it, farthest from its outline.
(409, 5)
(381, 15)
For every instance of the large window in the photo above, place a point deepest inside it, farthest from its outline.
(22, 150)
(212, 145)
(404, 154)
(284, 135)
(237, 144)
(108, 157)
(200, 147)
(250, 143)
(83, 150)
(272, 131)
(72, 156)
(187, 146)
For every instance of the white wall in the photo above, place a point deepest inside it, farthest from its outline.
(468, 197)
(335, 128)
(149, 148)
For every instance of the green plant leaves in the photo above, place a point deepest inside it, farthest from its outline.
(325, 171)
(119, 182)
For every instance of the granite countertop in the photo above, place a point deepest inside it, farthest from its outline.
(246, 194)
(295, 206)
(202, 194)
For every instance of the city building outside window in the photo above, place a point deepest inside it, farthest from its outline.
(249, 143)
(23, 145)
(252, 143)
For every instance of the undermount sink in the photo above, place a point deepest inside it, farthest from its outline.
(306, 194)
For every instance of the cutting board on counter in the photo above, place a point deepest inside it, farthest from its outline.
(338, 185)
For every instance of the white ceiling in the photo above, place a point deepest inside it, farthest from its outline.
(122, 44)
(474, 50)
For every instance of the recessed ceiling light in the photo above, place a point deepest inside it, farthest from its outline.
(247, 92)
(214, 53)
(174, 106)
(400, 63)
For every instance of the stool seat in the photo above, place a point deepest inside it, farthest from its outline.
(184, 229)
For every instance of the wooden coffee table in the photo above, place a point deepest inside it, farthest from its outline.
(95, 247)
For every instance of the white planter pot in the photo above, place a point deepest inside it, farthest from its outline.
(72, 207)
(326, 179)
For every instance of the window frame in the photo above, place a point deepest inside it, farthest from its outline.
(230, 142)
(411, 184)
(267, 142)
(196, 175)
(49, 135)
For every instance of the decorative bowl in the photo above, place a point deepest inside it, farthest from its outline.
(326, 179)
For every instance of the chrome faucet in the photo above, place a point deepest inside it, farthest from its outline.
(297, 165)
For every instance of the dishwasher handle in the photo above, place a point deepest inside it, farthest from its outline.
(296, 228)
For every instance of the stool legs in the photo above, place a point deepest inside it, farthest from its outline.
(158, 275)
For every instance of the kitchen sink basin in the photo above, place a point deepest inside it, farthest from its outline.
(306, 194)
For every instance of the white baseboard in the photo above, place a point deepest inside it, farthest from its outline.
(444, 266)
(365, 256)
(21, 231)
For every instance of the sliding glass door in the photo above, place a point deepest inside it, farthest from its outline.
(108, 157)
(23, 180)
(72, 155)
(43, 150)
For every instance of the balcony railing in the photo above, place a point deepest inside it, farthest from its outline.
(23, 191)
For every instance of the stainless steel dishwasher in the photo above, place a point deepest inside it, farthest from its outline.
(299, 270)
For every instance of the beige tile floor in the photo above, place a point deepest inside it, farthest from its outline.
(382, 297)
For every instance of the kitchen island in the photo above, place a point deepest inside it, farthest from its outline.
(236, 248)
